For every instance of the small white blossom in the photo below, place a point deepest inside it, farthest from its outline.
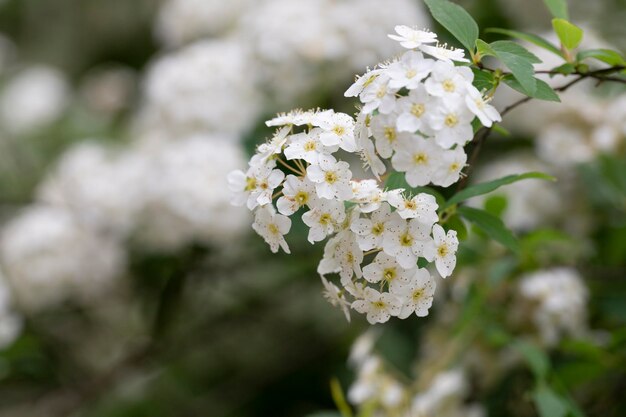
(370, 231)
(449, 170)
(297, 192)
(445, 54)
(362, 82)
(477, 104)
(256, 187)
(335, 297)
(412, 38)
(443, 250)
(385, 268)
(272, 227)
(307, 146)
(413, 111)
(338, 130)
(422, 206)
(331, 178)
(447, 80)
(367, 195)
(452, 122)
(416, 294)
(324, 219)
(366, 146)
(406, 241)
(386, 134)
(379, 95)
(409, 71)
(379, 307)
(419, 159)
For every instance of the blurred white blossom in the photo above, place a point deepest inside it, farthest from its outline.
(32, 99)
(49, 257)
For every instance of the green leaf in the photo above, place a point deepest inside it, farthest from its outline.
(528, 37)
(491, 225)
(484, 49)
(565, 69)
(487, 187)
(544, 91)
(456, 21)
(569, 34)
(455, 223)
(537, 359)
(558, 8)
(483, 80)
(549, 403)
(519, 60)
(605, 55)
(496, 204)
(498, 128)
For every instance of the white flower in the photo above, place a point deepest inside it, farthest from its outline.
(349, 256)
(272, 227)
(412, 38)
(32, 99)
(379, 307)
(406, 241)
(443, 250)
(324, 219)
(379, 95)
(416, 294)
(275, 145)
(422, 206)
(486, 113)
(256, 187)
(307, 146)
(413, 111)
(385, 268)
(419, 158)
(297, 192)
(367, 195)
(445, 54)
(366, 147)
(335, 297)
(409, 71)
(386, 135)
(449, 168)
(452, 122)
(362, 82)
(448, 80)
(370, 231)
(331, 178)
(295, 117)
(338, 130)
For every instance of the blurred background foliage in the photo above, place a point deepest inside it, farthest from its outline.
(218, 327)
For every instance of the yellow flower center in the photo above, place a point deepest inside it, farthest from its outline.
(302, 197)
(418, 110)
(339, 130)
(325, 219)
(418, 294)
(406, 239)
(381, 92)
(411, 73)
(310, 146)
(454, 166)
(330, 177)
(379, 304)
(389, 274)
(378, 229)
(442, 250)
(390, 133)
(451, 120)
(410, 204)
(350, 257)
(449, 86)
(273, 229)
(420, 158)
(264, 185)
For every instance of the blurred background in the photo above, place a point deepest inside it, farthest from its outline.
(130, 287)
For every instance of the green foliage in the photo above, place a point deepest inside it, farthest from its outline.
(455, 223)
(558, 8)
(487, 187)
(569, 34)
(519, 60)
(543, 91)
(528, 37)
(548, 403)
(535, 357)
(483, 80)
(491, 225)
(607, 56)
(456, 21)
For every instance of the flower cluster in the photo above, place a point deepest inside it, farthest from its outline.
(419, 113)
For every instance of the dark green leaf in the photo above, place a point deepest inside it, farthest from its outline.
(543, 92)
(535, 357)
(565, 69)
(569, 34)
(491, 225)
(455, 223)
(549, 403)
(484, 49)
(519, 60)
(558, 8)
(496, 204)
(483, 80)
(456, 21)
(605, 55)
(487, 187)
(528, 37)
